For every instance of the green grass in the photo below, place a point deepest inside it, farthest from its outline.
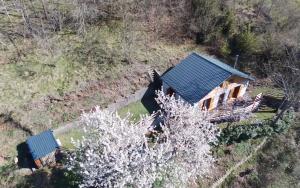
(65, 139)
(279, 157)
(266, 112)
(264, 115)
(136, 109)
(267, 90)
(10, 139)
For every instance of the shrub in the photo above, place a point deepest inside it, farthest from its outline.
(238, 133)
(205, 16)
(245, 43)
(228, 24)
(224, 48)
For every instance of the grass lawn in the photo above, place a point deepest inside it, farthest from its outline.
(264, 115)
(77, 62)
(266, 90)
(135, 108)
(65, 139)
(266, 112)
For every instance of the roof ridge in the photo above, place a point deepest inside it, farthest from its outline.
(203, 56)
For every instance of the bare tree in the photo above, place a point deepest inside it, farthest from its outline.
(286, 74)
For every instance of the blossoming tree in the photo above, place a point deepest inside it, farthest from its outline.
(117, 153)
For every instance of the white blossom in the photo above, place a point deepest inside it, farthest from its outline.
(116, 152)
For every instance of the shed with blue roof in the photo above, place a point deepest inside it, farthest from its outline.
(42, 148)
(205, 81)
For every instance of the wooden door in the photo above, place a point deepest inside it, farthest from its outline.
(236, 92)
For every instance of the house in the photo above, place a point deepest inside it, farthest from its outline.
(204, 81)
(42, 148)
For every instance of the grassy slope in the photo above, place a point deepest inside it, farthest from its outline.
(79, 72)
(76, 62)
(276, 165)
(278, 158)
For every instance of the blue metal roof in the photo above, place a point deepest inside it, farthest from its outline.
(226, 67)
(196, 75)
(42, 144)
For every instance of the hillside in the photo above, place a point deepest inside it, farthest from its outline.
(60, 58)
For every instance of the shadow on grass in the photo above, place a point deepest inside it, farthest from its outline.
(272, 102)
(148, 100)
(55, 177)
(24, 158)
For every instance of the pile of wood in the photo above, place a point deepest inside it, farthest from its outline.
(238, 113)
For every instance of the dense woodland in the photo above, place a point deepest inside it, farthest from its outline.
(61, 57)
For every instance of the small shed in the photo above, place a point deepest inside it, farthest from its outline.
(42, 148)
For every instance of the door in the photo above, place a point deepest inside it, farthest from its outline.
(38, 163)
(236, 92)
(221, 99)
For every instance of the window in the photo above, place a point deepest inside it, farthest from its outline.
(206, 104)
(170, 91)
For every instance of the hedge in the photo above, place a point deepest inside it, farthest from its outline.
(238, 133)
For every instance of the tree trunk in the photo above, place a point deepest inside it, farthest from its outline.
(280, 114)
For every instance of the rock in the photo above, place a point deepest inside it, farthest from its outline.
(16, 160)
(21, 172)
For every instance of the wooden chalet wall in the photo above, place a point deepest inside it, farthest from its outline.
(227, 88)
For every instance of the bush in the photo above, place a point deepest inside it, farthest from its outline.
(245, 43)
(232, 134)
(93, 50)
(224, 48)
(228, 24)
(204, 19)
